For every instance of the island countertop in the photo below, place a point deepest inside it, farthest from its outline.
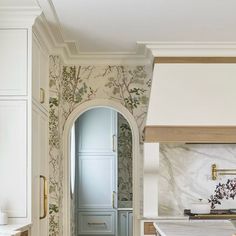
(195, 228)
(13, 229)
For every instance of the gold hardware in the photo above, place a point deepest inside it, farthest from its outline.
(96, 223)
(113, 199)
(215, 172)
(45, 197)
(214, 216)
(42, 95)
(114, 143)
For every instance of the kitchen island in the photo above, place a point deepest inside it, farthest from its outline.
(14, 230)
(195, 228)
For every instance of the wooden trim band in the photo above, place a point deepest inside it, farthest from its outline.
(195, 60)
(25, 233)
(191, 134)
(149, 228)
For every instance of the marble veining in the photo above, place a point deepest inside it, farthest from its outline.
(185, 174)
(195, 228)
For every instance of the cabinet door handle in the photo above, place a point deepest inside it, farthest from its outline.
(114, 143)
(42, 95)
(96, 223)
(45, 197)
(113, 199)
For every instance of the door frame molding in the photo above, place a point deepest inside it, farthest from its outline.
(78, 111)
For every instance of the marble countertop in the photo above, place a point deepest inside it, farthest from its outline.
(195, 228)
(13, 229)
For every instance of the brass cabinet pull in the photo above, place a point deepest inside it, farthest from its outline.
(96, 223)
(45, 197)
(113, 199)
(114, 143)
(42, 95)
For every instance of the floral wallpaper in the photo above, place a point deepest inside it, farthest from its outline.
(71, 86)
(125, 193)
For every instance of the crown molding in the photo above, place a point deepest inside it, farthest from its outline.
(43, 32)
(145, 51)
(11, 17)
(191, 49)
(69, 50)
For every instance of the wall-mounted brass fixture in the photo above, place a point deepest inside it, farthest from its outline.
(215, 172)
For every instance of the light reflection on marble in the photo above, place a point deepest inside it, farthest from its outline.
(185, 174)
(195, 228)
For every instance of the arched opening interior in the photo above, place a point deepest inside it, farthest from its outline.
(101, 191)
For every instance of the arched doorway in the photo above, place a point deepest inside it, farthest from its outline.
(66, 155)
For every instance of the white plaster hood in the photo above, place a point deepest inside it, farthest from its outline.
(193, 95)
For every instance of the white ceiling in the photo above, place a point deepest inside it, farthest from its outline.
(109, 26)
(18, 3)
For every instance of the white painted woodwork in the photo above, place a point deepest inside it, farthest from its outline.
(150, 180)
(158, 21)
(24, 132)
(13, 61)
(44, 170)
(39, 167)
(35, 171)
(96, 223)
(193, 94)
(77, 112)
(40, 70)
(13, 158)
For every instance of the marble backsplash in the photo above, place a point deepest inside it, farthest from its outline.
(185, 174)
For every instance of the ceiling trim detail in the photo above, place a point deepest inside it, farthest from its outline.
(201, 60)
(145, 53)
(70, 49)
(18, 16)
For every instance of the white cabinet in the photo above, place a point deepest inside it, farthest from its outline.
(13, 158)
(23, 122)
(39, 168)
(13, 61)
(40, 62)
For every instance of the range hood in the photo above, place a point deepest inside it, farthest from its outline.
(193, 99)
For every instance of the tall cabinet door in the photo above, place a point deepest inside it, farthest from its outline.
(96, 142)
(39, 172)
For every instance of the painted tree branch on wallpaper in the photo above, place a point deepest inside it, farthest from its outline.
(71, 86)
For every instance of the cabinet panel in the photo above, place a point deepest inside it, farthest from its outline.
(13, 61)
(122, 224)
(35, 171)
(96, 223)
(44, 163)
(40, 167)
(35, 70)
(125, 223)
(96, 182)
(13, 157)
(40, 74)
(96, 128)
(44, 75)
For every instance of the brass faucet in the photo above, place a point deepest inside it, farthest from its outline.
(215, 172)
